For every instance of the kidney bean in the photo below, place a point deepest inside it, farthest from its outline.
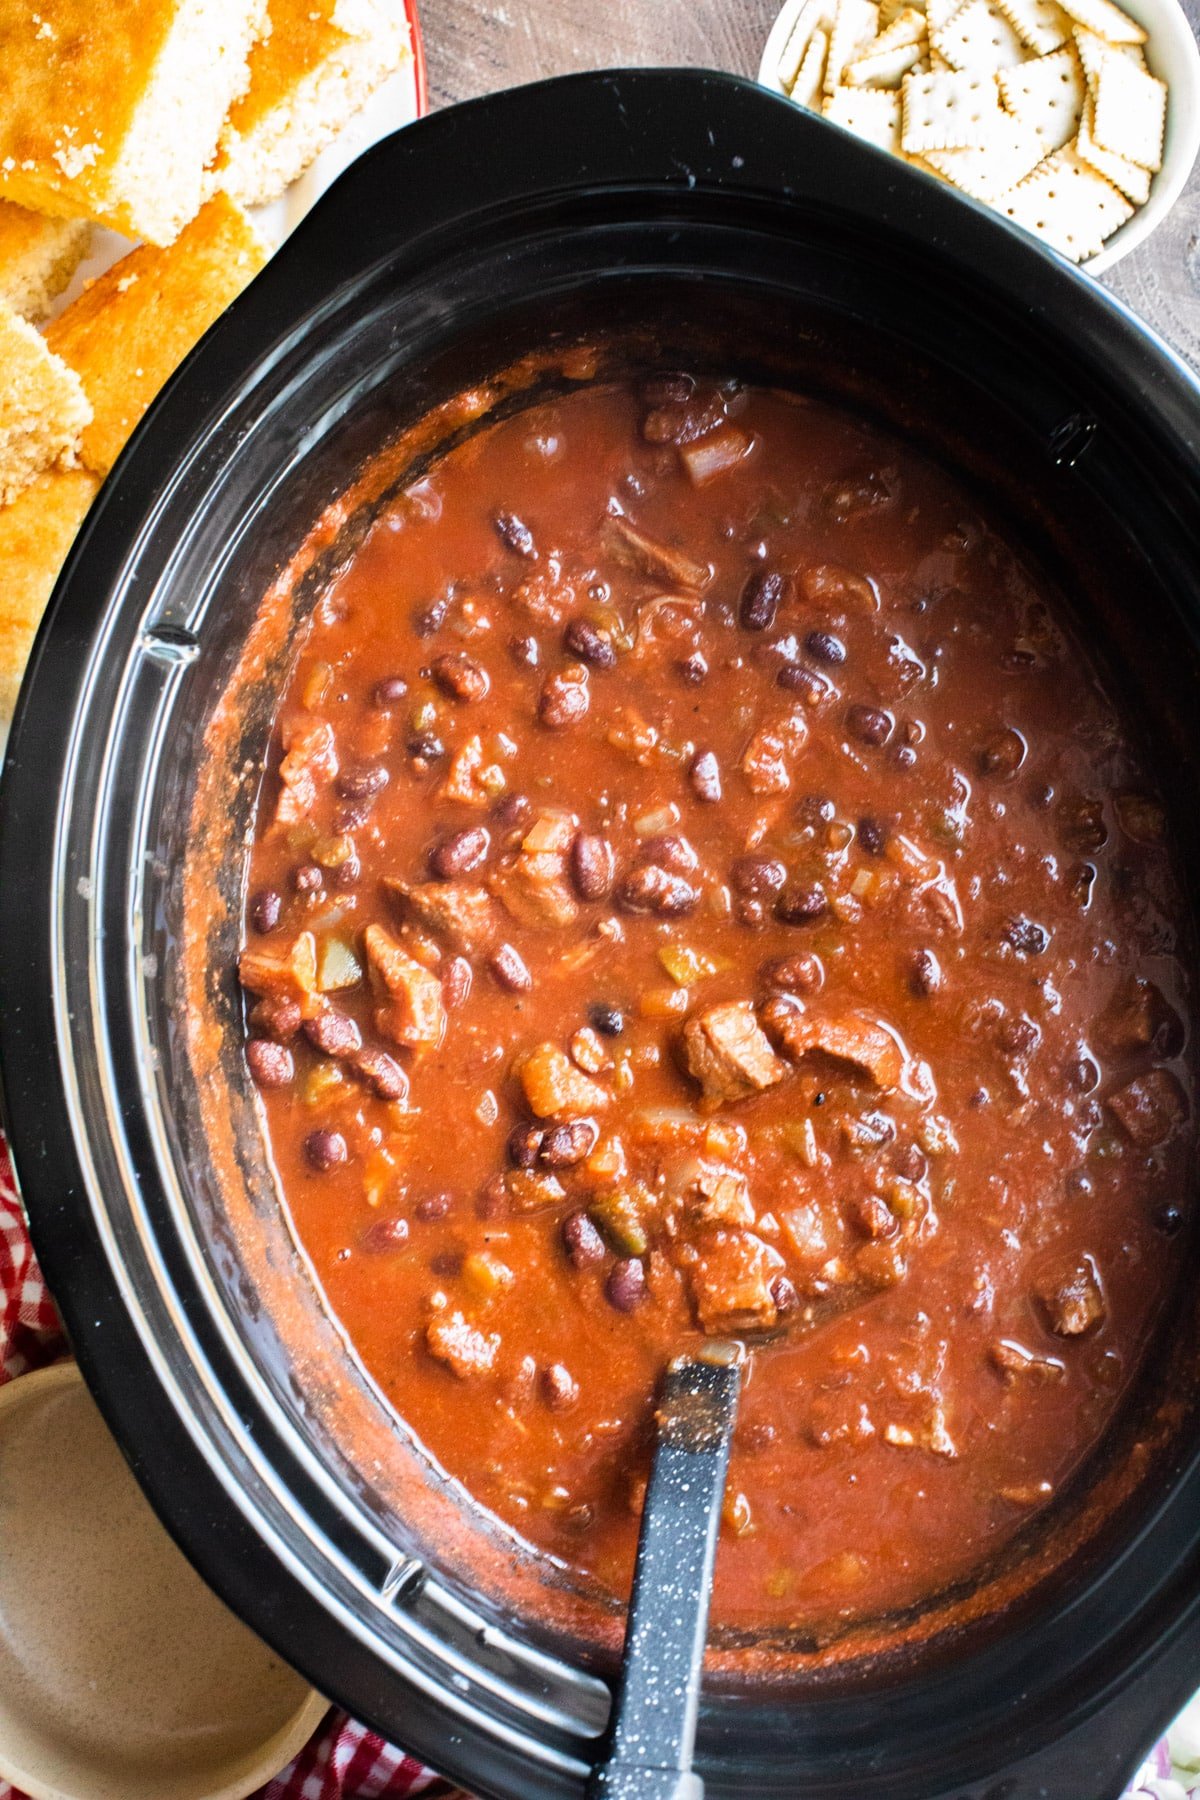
(911, 1163)
(265, 910)
(525, 1145)
(460, 676)
(873, 834)
(583, 640)
(389, 692)
(457, 977)
(385, 1234)
(565, 1145)
(325, 1150)
(1026, 936)
(559, 1388)
(429, 619)
(511, 811)
(434, 1206)
(564, 698)
(307, 878)
(508, 967)
(271, 1064)
(924, 973)
(762, 596)
(333, 1033)
(609, 1021)
(626, 1284)
(801, 905)
(756, 875)
(593, 867)
(693, 670)
(798, 974)
(795, 678)
(825, 647)
(869, 724)
(524, 652)
(1003, 753)
(783, 1293)
(382, 1074)
(461, 852)
(652, 889)
(276, 1017)
(581, 1241)
(362, 783)
(704, 773)
(346, 874)
(516, 535)
(670, 852)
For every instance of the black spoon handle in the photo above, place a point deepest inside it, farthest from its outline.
(651, 1739)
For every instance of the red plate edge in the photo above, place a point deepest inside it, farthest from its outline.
(418, 50)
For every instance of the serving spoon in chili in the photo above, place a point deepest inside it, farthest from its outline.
(652, 1736)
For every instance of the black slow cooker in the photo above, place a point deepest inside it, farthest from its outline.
(694, 214)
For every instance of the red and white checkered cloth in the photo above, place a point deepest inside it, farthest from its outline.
(344, 1761)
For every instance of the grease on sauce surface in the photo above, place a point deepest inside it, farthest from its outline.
(701, 886)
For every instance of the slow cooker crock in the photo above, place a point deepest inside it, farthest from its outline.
(679, 210)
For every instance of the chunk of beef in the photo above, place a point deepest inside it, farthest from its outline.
(536, 887)
(471, 780)
(546, 595)
(731, 1283)
(1149, 1108)
(1013, 1359)
(719, 1196)
(309, 764)
(1074, 1300)
(850, 1037)
(649, 557)
(286, 972)
(770, 753)
(464, 1349)
(414, 1014)
(462, 912)
(728, 1053)
(1135, 1017)
(555, 1089)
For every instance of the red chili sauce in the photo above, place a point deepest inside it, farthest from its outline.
(702, 887)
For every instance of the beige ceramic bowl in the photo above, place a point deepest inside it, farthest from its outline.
(122, 1677)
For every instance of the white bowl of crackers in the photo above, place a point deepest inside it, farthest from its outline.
(1077, 119)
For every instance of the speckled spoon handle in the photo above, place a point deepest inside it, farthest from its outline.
(653, 1733)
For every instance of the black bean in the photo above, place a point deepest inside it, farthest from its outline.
(626, 1284)
(508, 967)
(783, 1293)
(816, 809)
(869, 724)
(704, 774)
(271, 1064)
(583, 640)
(524, 652)
(353, 814)
(362, 783)
(389, 692)
(825, 647)
(384, 1234)
(559, 1387)
(265, 909)
(593, 867)
(693, 670)
(461, 852)
(798, 974)
(1026, 936)
(429, 619)
(325, 1150)
(426, 746)
(762, 596)
(333, 1033)
(307, 878)
(460, 676)
(654, 890)
(564, 698)
(609, 1021)
(565, 1145)
(756, 876)
(434, 1206)
(581, 1241)
(924, 973)
(873, 834)
(516, 535)
(524, 1145)
(801, 905)
(382, 1074)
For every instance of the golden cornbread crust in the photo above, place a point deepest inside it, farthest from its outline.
(43, 408)
(36, 531)
(130, 329)
(112, 108)
(38, 256)
(320, 61)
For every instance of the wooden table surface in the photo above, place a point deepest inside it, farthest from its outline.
(475, 46)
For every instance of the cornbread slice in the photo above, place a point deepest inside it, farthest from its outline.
(112, 108)
(130, 329)
(43, 408)
(36, 531)
(320, 61)
(38, 256)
